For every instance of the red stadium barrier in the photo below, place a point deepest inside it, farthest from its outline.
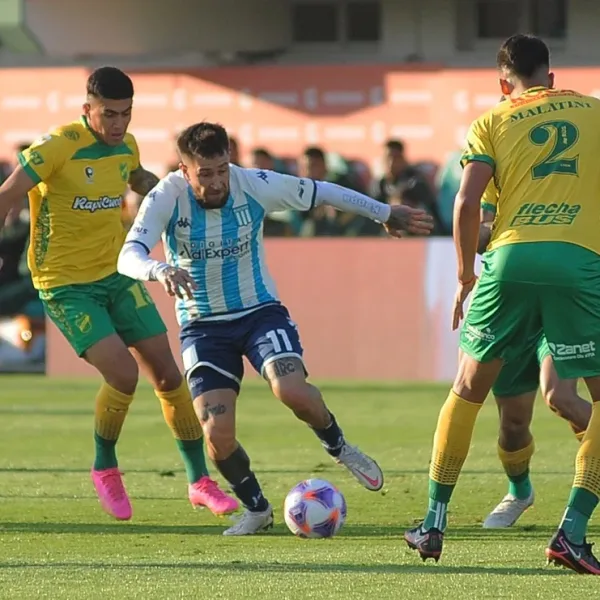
(366, 309)
(351, 109)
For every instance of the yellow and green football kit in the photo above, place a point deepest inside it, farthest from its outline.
(541, 270)
(521, 375)
(540, 276)
(77, 234)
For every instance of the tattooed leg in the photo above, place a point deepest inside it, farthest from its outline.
(287, 379)
(216, 411)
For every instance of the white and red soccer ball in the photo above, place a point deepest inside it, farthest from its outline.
(315, 509)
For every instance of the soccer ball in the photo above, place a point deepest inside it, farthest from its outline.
(314, 509)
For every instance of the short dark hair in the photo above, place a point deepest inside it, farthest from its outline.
(315, 152)
(110, 83)
(523, 55)
(204, 139)
(262, 152)
(395, 145)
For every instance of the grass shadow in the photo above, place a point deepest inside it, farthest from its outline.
(472, 534)
(299, 568)
(321, 468)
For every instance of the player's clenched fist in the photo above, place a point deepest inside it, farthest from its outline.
(177, 282)
(404, 219)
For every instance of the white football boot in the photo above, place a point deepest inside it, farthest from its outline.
(362, 467)
(249, 523)
(508, 512)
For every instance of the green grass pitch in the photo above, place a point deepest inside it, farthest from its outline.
(56, 543)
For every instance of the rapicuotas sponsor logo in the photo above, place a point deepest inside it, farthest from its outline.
(103, 203)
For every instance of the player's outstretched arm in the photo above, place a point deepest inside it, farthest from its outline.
(396, 219)
(151, 221)
(13, 190)
(142, 182)
(280, 192)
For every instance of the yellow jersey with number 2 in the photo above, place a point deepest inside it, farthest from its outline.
(544, 148)
(76, 227)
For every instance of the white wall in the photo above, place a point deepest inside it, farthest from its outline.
(130, 27)
(177, 32)
(438, 33)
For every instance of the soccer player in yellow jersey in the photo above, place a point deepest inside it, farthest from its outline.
(541, 274)
(515, 391)
(76, 178)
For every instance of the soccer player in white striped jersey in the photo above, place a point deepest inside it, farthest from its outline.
(210, 216)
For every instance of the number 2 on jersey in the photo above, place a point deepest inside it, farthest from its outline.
(565, 135)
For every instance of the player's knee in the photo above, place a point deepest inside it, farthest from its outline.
(115, 363)
(513, 423)
(298, 395)
(552, 398)
(220, 441)
(558, 395)
(168, 379)
(163, 372)
(218, 425)
(124, 375)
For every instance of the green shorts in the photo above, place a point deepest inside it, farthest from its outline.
(87, 313)
(527, 290)
(522, 375)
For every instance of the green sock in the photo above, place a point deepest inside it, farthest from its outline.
(579, 510)
(106, 457)
(520, 486)
(439, 497)
(192, 452)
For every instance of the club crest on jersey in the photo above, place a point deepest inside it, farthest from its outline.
(242, 215)
(89, 174)
(71, 134)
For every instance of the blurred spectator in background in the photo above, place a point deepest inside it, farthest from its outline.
(16, 288)
(448, 182)
(22, 323)
(283, 223)
(406, 185)
(234, 151)
(263, 159)
(325, 220)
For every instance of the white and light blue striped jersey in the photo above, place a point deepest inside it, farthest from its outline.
(222, 248)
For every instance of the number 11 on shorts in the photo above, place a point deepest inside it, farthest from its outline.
(277, 337)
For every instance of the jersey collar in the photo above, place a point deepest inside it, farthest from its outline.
(86, 124)
(533, 90)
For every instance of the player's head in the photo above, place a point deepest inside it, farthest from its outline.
(234, 151)
(523, 62)
(314, 164)
(108, 105)
(204, 152)
(263, 159)
(395, 157)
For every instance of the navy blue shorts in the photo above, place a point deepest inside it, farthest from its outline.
(213, 350)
